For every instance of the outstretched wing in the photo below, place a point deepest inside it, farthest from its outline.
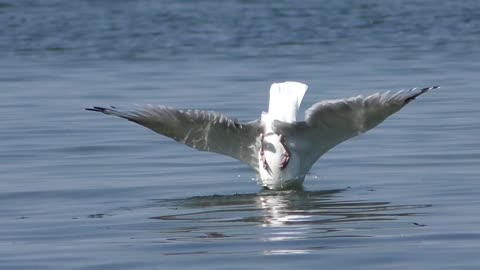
(202, 130)
(330, 122)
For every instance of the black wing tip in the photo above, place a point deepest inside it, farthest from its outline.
(100, 109)
(421, 91)
(96, 109)
(426, 89)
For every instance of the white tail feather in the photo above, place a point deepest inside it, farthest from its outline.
(285, 100)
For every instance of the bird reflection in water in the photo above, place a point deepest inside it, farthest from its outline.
(280, 217)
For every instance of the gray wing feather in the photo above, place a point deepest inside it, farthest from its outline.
(202, 130)
(330, 122)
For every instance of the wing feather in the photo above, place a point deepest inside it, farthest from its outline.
(330, 122)
(201, 130)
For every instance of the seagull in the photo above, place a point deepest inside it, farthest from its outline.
(279, 148)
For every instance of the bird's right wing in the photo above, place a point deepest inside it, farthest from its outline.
(330, 122)
(202, 130)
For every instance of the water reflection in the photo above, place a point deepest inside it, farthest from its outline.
(273, 216)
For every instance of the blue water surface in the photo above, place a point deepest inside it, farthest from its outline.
(80, 190)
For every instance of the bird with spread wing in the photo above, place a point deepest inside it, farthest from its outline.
(278, 147)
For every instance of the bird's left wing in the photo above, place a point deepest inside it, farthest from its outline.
(202, 130)
(330, 122)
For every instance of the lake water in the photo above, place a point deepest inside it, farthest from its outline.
(80, 190)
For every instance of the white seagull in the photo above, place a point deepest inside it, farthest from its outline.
(277, 146)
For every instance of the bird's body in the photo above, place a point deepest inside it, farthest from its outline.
(280, 165)
(278, 147)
